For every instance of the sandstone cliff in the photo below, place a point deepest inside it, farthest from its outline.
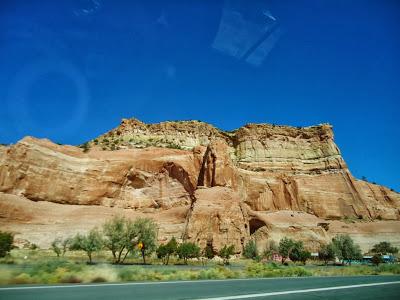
(199, 183)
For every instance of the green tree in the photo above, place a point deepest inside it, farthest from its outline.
(327, 253)
(298, 253)
(346, 250)
(188, 250)
(6, 243)
(226, 252)
(250, 250)
(304, 255)
(383, 248)
(165, 251)
(377, 259)
(146, 236)
(90, 243)
(119, 237)
(286, 246)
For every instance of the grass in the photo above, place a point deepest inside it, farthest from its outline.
(275, 270)
(382, 269)
(64, 271)
(43, 267)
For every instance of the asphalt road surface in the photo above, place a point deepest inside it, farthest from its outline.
(355, 288)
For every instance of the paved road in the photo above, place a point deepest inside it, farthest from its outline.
(355, 288)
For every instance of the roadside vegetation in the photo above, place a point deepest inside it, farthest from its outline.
(127, 250)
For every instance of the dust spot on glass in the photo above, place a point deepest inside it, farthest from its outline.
(87, 7)
(19, 101)
(247, 33)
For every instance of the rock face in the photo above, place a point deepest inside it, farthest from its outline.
(227, 187)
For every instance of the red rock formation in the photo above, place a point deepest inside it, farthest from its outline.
(227, 186)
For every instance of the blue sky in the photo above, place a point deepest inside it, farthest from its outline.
(70, 70)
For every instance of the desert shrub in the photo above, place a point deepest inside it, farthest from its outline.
(250, 250)
(208, 251)
(270, 249)
(85, 147)
(70, 279)
(33, 246)
(22, 278)
(226, 252)
(7, 260)
(6, 242)
(99, 279)
(173, 146)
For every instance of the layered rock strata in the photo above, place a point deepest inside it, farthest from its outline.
(228, 187)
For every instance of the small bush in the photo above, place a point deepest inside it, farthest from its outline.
(85, 147)
(99, 279)
(33, 246)
(226, 252)
(188, 250)
(165, 251)
(250, 250)
(70, 279)
(209, 251)
(388, 269)
(6, 243)
(22, 278)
